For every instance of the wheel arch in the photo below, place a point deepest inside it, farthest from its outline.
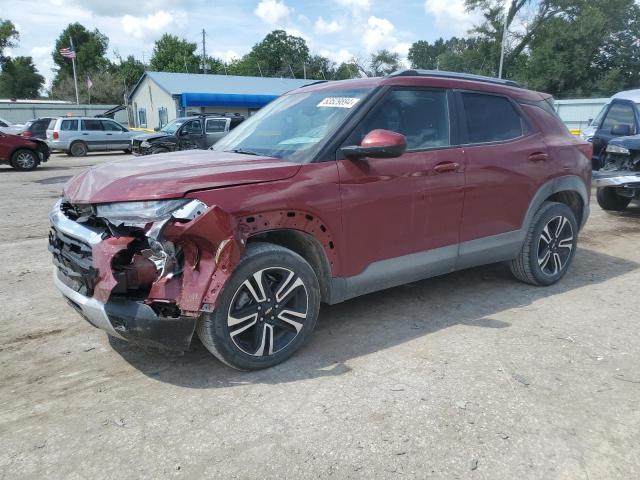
(570, 190)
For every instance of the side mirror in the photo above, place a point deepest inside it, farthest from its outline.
(622, 130)
(378, 144)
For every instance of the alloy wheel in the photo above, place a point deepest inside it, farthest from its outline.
(555, 245)
(268, 311)
(25, 160)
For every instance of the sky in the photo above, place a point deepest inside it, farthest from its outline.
(338, 29)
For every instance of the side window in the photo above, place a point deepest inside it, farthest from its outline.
(142, 117)
(216, 125)
(619, 114)
(111, 126)
(3, 124)
(192, 127)
(68, 125)
(91, 125)
(235, 122)
(420, 115)
(491, 118)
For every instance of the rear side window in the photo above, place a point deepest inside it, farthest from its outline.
(215, 125)
(235, 122)
(92, 125)
(619, 114)
(491, 118)
(67, 125)
(111, 126)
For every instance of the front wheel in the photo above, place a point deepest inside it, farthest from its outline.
(24, 160)
(549, 246)
(608, 199)
(266, 311)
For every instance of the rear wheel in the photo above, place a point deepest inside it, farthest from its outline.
(266, 311)
(608, 199)
(78, 149)
(24, 159)
(549, 246)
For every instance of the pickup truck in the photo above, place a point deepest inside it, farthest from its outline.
(185, 133)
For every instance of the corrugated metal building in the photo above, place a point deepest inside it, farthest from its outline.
(21, 111)
(159, 97)
(576, 113)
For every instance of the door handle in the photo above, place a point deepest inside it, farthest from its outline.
(109, 133)
(538, 157)
(446, 167)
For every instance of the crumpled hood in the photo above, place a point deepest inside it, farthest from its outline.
(151, 136)
(172, 175)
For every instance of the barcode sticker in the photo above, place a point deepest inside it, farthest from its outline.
(338, 102)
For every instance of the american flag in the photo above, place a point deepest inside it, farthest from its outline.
(68, 52)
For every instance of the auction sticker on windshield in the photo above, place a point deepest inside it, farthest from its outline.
(338, 102)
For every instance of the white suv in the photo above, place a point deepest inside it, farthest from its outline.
(78, 135)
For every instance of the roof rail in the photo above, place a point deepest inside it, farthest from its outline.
(454, 75)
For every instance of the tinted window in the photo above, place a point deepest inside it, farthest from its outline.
(216, 125)
(491, 118)
(619, 114)
(2, 124)
(193, 127)
(420, 115)
(67, 125)
(92, 125)
(235, 122)
(111, 126)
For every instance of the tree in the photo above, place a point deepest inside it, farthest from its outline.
(383, 62)
(320, 68)
(128, 70)
(90, 47)
(20, 78)
(346, 71)
(8, 37)
(423, 54)
(107, 88)
(171, 54)
(278, 54)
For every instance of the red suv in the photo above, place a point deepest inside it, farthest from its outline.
(22, 153)
(332, 191)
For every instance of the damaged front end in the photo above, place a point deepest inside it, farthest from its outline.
(143, 271)
(621, 170)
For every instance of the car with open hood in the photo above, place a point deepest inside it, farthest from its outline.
(332, 191)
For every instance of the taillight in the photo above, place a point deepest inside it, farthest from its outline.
(56, 135)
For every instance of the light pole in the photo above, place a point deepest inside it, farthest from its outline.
(504, 35)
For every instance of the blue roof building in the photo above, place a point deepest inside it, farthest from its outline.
(159, 97)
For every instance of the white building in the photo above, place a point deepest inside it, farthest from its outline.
(159, 97)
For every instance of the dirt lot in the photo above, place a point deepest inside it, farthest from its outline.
(471, 375)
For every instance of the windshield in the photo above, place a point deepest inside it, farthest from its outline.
(293, 127)
(173, 126)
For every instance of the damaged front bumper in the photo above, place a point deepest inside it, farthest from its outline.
(621, 179)
(114, 280)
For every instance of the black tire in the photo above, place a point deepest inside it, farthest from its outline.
(244, 346)
(127, 150)
(24, 160)
(159, 150)
(608, 199)
(547, 252)
(78, 149)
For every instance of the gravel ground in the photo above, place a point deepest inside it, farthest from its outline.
(470, 375)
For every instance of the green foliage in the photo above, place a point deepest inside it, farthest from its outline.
(8, 37)
(90, 46)
(171, 54)
(346, 71)
(383, 62)
(107, 88)
(20, 78)
(129, 70)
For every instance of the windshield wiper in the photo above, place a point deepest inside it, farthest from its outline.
(242, 151)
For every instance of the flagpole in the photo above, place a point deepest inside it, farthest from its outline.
(75, 79)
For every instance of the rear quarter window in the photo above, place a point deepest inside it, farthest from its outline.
(68, 125)
(491, 118)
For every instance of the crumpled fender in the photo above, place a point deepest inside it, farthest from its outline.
(103, 254)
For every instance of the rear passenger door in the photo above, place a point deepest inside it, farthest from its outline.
(215, 129)
(505, 165)
(93, 134)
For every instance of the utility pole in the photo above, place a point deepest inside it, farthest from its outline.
(204, 52)
(292, 74)
(304, 70)
(259, 69)
(504, 36)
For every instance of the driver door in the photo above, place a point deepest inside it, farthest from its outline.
(394, 207)
(191, 135)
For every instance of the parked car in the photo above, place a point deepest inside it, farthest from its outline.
(185, 133)
(22, 153)
(618, 181)
(8, 127)
(332, 191)
(79, 135)
(618, 118)
(36, 128)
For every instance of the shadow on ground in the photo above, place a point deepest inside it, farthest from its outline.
(381, 320)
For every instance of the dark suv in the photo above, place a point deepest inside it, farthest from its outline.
(186, 133)
(332, 191)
